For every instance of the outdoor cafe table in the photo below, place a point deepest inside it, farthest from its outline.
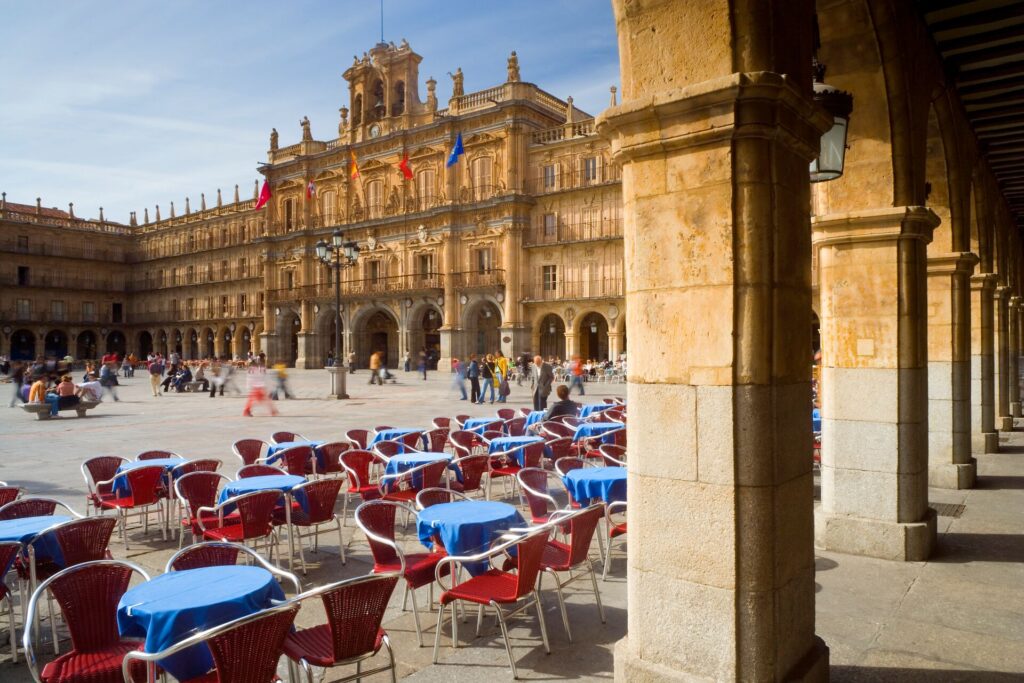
(176, 605)
(280, 482)
(406, 461)
(591, 408)
(534, 418)
(507, 443)
(467, 527)
(587, 483)
(121, 485)
(477, 424)
(24, 529)
(590, 430)
(275, 448)
(395, 434)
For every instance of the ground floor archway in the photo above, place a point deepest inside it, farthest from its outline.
(55, 344)
(593, 337)
(178, 344)
(145, 344)
(116, 343)
(552, 337)
(23, 345)
(206, 343)
(379, 332)
(425, 335)
(482, 325)
(85, 346)
(161, 343)
(288, 326)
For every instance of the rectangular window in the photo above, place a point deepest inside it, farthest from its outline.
(24, 309)
(174, 308)
(425, 265)
(550, 278)
(223, 270)
(549, 177)
(425, 188)
(243, 267)
(224, 305)
(22, 242)
(89, 311)
(375, 199)
(484, 260)
(289, 279)
(480, 172)
(190, 275)
(287, 214)
(174, 277)
(590, 169)
(373, 271)
(57, 310)
(23, 276)
(117, 312)
(243, 306)
(259, 301)
(550, 225)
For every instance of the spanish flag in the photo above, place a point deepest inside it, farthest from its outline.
(353, 165)
(403, 166)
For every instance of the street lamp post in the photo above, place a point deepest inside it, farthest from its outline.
(337, 255)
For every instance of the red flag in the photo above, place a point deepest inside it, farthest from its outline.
(403, 166)
(310, 190)
(264, 196)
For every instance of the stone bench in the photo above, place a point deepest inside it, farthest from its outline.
(42, 410)
(193, 386)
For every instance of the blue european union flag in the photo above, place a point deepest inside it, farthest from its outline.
(457, 151)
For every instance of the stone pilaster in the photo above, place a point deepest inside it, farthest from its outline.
(450, 323)
(984, 437)
(874, 474)
(950, 464)
(614, 345)
(307, 339)
(718, 169)
(1013, 355)
(1001, 323)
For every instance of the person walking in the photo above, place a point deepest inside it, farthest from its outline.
(487, 378)
(459, 377)
(351, 362)
(375, 374)
(576, 374)
(108, 378)
(473, 374)
(407, 362)
(422, 367)
(218, 374)
(545, 376)
(156, 372)
(17, 378)
(281, 376)
(501, 368)
(257, 396)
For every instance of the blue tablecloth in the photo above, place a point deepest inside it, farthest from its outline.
(815, 420)
(506, 443)
(589, 430)
(591, 408)
(477, 424)
(121, 486)
(606, 483)
(406, 461)
(281, 482)
(395, 434)
(174, 606)
(536, 417)
(24, 529)
(276, 448)
(467, 527)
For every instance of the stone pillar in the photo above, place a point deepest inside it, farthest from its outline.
(1001, 323)
(874, 474)
(307, 339)
(512, 327)
(984, 438)
(1013, 355)
(728, 594)
(570, 344)
(950, 464)
(614, 348)
(449, 328)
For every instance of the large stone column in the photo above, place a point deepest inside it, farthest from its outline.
(449, 328)
(716, 195)
(950, 464)
(512, 325)
(984, 437)
(307, 338)
(874, 432)
(1001, 323)
(1013, 355)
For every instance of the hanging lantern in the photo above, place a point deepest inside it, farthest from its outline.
(551, 328)
(593, 327)
(832, 155)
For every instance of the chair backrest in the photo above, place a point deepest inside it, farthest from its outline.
(436, 496)
(377, 520)
(491, 434)
(249, 450)
(412, 440)
(156, 455)
(8, 552)
(525, 411)
(438, 439)
(8, 494)
(472, 468)
(613, 454)
(28, 507)
(496, 426)
(258, 471)
(570, 420)
(84, 540)
(565, 465)
(285, 437)
(204, 555)
(560, 448)
(355, 609)
(145, 483)
(429, 476)
(357, 467)
(582, 526)
(461, 420)
(297, 459)
(256, 511)
(533, 482)
(360, 438)
(330, 453)
(190, 466)
(247, 650)
(557, 430)
(528, 556)
(516, 426)
(463, 442)
(102, 468)
(506, 413)
(198, 489)
(533, 454)
(442, 423)
(321, 495)
(388, 449)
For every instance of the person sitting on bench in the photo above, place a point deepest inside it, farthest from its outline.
(66, 393)
(39, 394)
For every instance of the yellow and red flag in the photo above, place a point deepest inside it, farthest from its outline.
(353, 166)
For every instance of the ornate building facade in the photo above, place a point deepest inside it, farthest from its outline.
(517, 246)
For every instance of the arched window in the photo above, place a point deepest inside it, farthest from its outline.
(398, 100)
(379, 109)
(425, 184)
(357, 110)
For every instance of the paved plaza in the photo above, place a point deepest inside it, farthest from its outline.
(956, 617)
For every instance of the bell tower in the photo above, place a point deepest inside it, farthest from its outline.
(384, 91)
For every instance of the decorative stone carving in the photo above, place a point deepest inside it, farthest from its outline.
(457, 79)
(307, 135)
(513, 68)
(273, 139)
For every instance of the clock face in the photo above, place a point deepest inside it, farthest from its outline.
(374, 130)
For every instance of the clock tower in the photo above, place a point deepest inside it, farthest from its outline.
(384, 92)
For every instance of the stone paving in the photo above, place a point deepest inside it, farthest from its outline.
(957, 617)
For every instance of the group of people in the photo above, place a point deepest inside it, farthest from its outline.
(487, 376)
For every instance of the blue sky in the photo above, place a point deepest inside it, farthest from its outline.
(131, 104)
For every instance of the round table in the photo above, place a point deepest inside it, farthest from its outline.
(271, 482)
(590, 430)
(587, 483)
(174, 606)
(121, 485)
(394, 434)
(25, 529)
(508, 443)
(467, 527)
(404, 462)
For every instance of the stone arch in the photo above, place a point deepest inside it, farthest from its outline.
(423, 322)
(23, 345)
(86, 346)
(117, 343)
(207, 341)
(375, 328)
(288, 325)
(324, 327)
(176, 341)
(55, 344)
(937, 177)
(591, 328)
(191, 343)
(144, 343)
(550, 340)
(481, 320)
(981, 222)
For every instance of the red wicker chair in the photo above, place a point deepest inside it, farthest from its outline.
(9, 494)
(87, 595)
(329, 453)
(8, 552)
(533, 483)
(321, 497)
(190, 466)
(505, 465)
(146, 485)
(613, 455)
(258, 471)
(561, 448)
(102, 468)
(495, 588)
(556, 430)
(466, 443)
(473, 468)
(615, 530)
(403, 487)
(359, 438)
(441, 423)
(376, 519)
(156, 455)
(516, 426)
(221, 554)
(506, 413)
(253, 522)
(193, 491)
(245, 650)
(412, 440)
(357, 465)
(437, 496)
(437, 439)
(388, 449)
(33, 507)
(352, 634)
(250, 451)
(287, 437)
(297, 460)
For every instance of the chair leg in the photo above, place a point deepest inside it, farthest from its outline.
(543, 626)
(53, 624)
(302, 554)
(14, 632)
(416, 616)
(504, 634)
(561, 605)
(607, 560)
(391, 659)
(597, 594)
(341, 541)
(479, 619)
(437, 633)
(123, 524)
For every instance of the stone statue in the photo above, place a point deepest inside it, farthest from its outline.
(431, 94)
(405, 44)
(273, 139)
(307, 136)
(613, 90)
(569, 112)
(343, 123)
(457, 77)
(513, 68)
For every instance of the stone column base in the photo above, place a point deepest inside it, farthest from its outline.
(986, 442)
(953, 475)
(902, 541)
(1015, 409)
(1004, 423)
(813, 668)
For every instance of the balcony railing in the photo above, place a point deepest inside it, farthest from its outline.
(578, 231)
(593, 288)
(197, 315)
(490, 278)
(73, 316)
(64, 222)
(38, 247)
(62, 281)
(199, 277)
(566, 131)
(414, 282)
(572, 180)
